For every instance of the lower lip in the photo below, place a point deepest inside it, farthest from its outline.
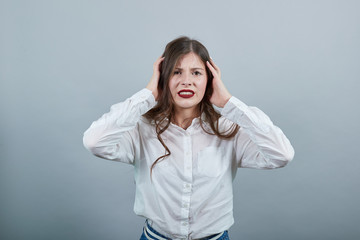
(186, 96)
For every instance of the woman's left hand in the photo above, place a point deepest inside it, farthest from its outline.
(220, 94)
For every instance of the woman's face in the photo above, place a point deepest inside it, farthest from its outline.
(188, 82)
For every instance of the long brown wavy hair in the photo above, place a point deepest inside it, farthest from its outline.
(163, 113)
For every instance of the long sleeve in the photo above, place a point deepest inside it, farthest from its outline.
(114, 136)
(259, 143)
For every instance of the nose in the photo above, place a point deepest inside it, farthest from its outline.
(186, 84)
(186, 80)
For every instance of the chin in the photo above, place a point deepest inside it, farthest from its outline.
(186, 105)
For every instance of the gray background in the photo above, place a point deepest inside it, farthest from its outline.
(64, 63)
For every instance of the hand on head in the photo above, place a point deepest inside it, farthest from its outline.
(220, 94)
(154, 81)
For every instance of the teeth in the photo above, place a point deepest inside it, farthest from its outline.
(186, 93)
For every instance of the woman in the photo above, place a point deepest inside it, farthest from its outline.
(185, 153)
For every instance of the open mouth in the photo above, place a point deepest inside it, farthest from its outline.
(186, 93)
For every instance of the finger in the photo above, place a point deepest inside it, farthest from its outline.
(212, 69)
(209, 65)
(214, 65)
(158, 61)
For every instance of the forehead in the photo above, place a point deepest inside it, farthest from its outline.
(190, 59)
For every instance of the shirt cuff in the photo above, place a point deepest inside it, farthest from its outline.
(245, 116)
(234, 108)
(144, 99)
(144, 95)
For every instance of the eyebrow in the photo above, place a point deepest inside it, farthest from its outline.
(196, 68)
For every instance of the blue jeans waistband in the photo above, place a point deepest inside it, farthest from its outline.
(150, 233)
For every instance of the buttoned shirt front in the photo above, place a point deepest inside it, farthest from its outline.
(189, 194)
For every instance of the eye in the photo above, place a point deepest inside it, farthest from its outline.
(176, 72)
(197, 73)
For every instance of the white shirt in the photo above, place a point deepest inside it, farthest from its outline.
(190, 195)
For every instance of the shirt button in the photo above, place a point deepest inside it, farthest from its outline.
(184, 224)
(187, 185)
(186, 205)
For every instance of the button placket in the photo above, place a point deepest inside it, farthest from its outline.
(188, 157)
(187, 184)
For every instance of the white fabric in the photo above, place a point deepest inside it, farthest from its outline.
(190, 195)
(156, 236)
(146, 230)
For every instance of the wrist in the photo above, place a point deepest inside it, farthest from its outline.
(152, 89)
(225, 101)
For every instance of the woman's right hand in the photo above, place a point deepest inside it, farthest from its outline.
(153, 84)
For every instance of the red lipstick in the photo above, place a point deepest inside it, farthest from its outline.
(186, 93)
